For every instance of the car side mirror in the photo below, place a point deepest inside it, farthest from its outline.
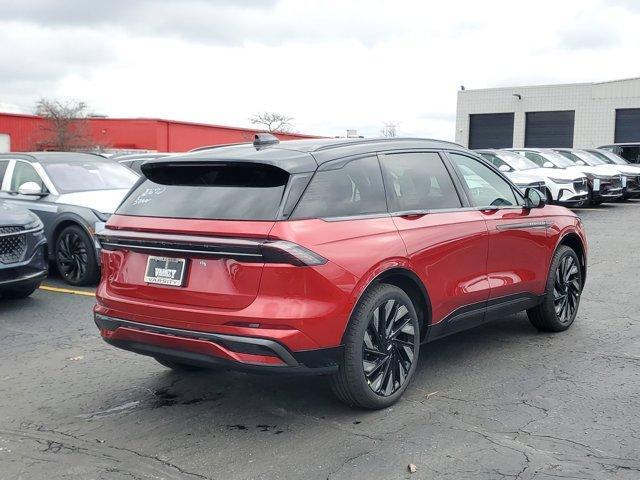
(504, 168)
(534, 198)
(580, 162)
(547, 165)
(30, 188)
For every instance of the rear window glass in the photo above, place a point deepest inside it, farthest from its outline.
(354, 189)
(206, 191)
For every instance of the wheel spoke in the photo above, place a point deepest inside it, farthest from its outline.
(388, 347)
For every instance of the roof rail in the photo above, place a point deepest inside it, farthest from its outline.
(382, 139)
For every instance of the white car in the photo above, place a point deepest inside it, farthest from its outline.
(630, 173)
(562, 186)
(603, 184)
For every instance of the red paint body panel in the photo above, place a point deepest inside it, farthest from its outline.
(462, 257)
(519, 251)
(448, 251)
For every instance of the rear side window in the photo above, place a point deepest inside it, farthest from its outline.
(209, 191)
(354, 189)
(418, 181)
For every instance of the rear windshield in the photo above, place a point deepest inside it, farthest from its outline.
(209, 191)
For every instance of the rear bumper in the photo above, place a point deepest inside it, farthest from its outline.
(260, 355)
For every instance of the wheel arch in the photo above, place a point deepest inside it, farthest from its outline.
(411, 284)
(573, 241)
(63, 222)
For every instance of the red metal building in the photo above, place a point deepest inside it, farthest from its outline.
(20, 132)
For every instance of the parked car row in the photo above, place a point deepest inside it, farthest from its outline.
(571, 177)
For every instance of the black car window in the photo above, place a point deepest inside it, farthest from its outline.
(418, 181)
(486, 187)
(630, 153)
(536, 158)
(354, 189)
(24, 172)
(3, 169)
(243, 191)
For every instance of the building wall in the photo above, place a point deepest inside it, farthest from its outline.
(594, 104)
(134, 133)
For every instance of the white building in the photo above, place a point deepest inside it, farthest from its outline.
(579, 115)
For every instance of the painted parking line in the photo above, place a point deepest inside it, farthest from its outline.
(49, 288)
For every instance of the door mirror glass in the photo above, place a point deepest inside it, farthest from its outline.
(534, 198)
(504, 168)
(30, 188)
(548, 164)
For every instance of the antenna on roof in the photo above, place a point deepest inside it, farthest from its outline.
(264, 139)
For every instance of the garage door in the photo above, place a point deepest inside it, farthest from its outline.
(627, 125)
(549, 129)
(491, 130)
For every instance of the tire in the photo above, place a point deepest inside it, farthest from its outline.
(179, 366)
(76, 257)
(391, 358)
(558, 309)
(20, 292)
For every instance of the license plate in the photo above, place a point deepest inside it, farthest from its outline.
(596, 184)
(624, 182)
(165, 271)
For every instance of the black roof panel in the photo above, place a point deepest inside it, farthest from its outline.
(296, 156)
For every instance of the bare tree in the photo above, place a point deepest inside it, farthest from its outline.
(65, 127)
(389, 129)
(273, 122)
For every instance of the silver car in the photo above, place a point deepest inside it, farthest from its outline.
(73, 194)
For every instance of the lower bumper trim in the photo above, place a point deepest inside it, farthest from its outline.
(213, 349)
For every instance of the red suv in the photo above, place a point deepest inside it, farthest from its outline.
(331, 257)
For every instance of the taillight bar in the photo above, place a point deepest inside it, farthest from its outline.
(240, 249)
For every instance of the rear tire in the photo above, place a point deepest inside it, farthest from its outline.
(381, 347)
(20, 292)
(179, 366)
(558, 309)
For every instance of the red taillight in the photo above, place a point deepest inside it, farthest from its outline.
(280, 251)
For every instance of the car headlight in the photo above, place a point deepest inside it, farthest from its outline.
(560, 180)
(36, 224)
(102, 216)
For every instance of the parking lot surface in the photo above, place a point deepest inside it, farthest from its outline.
(498, 402)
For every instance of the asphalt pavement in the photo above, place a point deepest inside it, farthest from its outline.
(498, 402)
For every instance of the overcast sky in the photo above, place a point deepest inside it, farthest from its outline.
(330, 64)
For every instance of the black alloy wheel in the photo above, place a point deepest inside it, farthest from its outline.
(75, 257)
(388, 347)
(381, 347)
(566, 289)
(559, 306)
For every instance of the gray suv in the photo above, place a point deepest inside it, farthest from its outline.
(73, 194)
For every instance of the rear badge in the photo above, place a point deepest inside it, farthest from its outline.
(165, 271)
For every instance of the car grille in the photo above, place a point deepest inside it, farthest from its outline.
(616, 182)
(580, 185)
(13, 245)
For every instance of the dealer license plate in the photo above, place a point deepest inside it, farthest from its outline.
(165, 271)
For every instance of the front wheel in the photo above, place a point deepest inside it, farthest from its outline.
(558, 309)
(381, 347)
(76, 257)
